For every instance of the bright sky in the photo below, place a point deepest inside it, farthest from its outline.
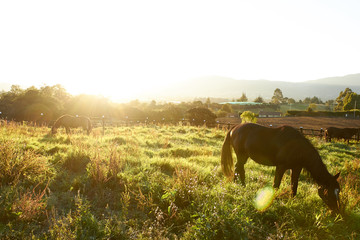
(129, 47)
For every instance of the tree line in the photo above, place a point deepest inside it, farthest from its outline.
(46, 103)
(347, 100)
(278, 98)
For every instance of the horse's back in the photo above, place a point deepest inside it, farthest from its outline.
(74, 121)
(269, 146)
(261, 134)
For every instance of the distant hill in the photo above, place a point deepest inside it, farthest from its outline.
(222, 87)
(348, 80)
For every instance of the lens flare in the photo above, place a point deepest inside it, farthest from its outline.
(264, 198)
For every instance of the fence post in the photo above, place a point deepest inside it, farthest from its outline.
(103, 124)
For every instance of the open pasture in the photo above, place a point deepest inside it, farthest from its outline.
(159, 182)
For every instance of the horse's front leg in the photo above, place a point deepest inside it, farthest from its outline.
(279, 173)
(295, 173)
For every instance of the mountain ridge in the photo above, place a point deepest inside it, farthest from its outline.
(230, 88)
(224, 87)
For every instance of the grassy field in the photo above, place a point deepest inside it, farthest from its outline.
(159, 182)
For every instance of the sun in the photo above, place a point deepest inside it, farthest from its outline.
(116, 90)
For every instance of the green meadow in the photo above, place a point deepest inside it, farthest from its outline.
(160, 182)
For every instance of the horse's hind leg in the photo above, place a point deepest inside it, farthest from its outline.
(295, 173)
(239, 168)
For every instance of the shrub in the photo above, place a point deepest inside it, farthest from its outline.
(249, 117)
(18, 164)
(30, 204)
(80, 224)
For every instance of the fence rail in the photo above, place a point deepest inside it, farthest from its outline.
(312, 132)
(305, 131)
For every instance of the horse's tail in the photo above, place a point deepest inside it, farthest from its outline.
(227, 161)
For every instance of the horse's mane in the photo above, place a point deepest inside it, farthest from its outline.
(313, 162)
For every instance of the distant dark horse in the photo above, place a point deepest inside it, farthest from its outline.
(345, 133)
(283, 147)
(68, 122)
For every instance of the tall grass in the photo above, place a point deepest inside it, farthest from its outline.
(158, 182)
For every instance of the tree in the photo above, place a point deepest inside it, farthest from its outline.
(316, 100)
(34, 105)
(243, 98)
(172, 113)
(200, 116)
(350, 101)
(259, 99)
(291, 101)
(7, 100)
(208, 102)
(329, 105)
(330, 102)
(340, 99)
(227, 108)
(16, 90)
(278, 97)
(91, 106)
(307, 100)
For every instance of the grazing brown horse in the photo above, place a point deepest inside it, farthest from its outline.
(344, 133)
(68, 121)
(283, 147)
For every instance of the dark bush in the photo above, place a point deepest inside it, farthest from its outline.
(201, 116)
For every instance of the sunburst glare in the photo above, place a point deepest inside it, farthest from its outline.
(264, 198)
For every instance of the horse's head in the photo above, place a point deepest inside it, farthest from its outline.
(330, 194)
(53, 130)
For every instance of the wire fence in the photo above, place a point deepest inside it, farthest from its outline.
(126, 122)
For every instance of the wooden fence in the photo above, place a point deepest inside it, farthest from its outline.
(312, 132)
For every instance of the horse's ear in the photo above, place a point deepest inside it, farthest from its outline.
(337, 175)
